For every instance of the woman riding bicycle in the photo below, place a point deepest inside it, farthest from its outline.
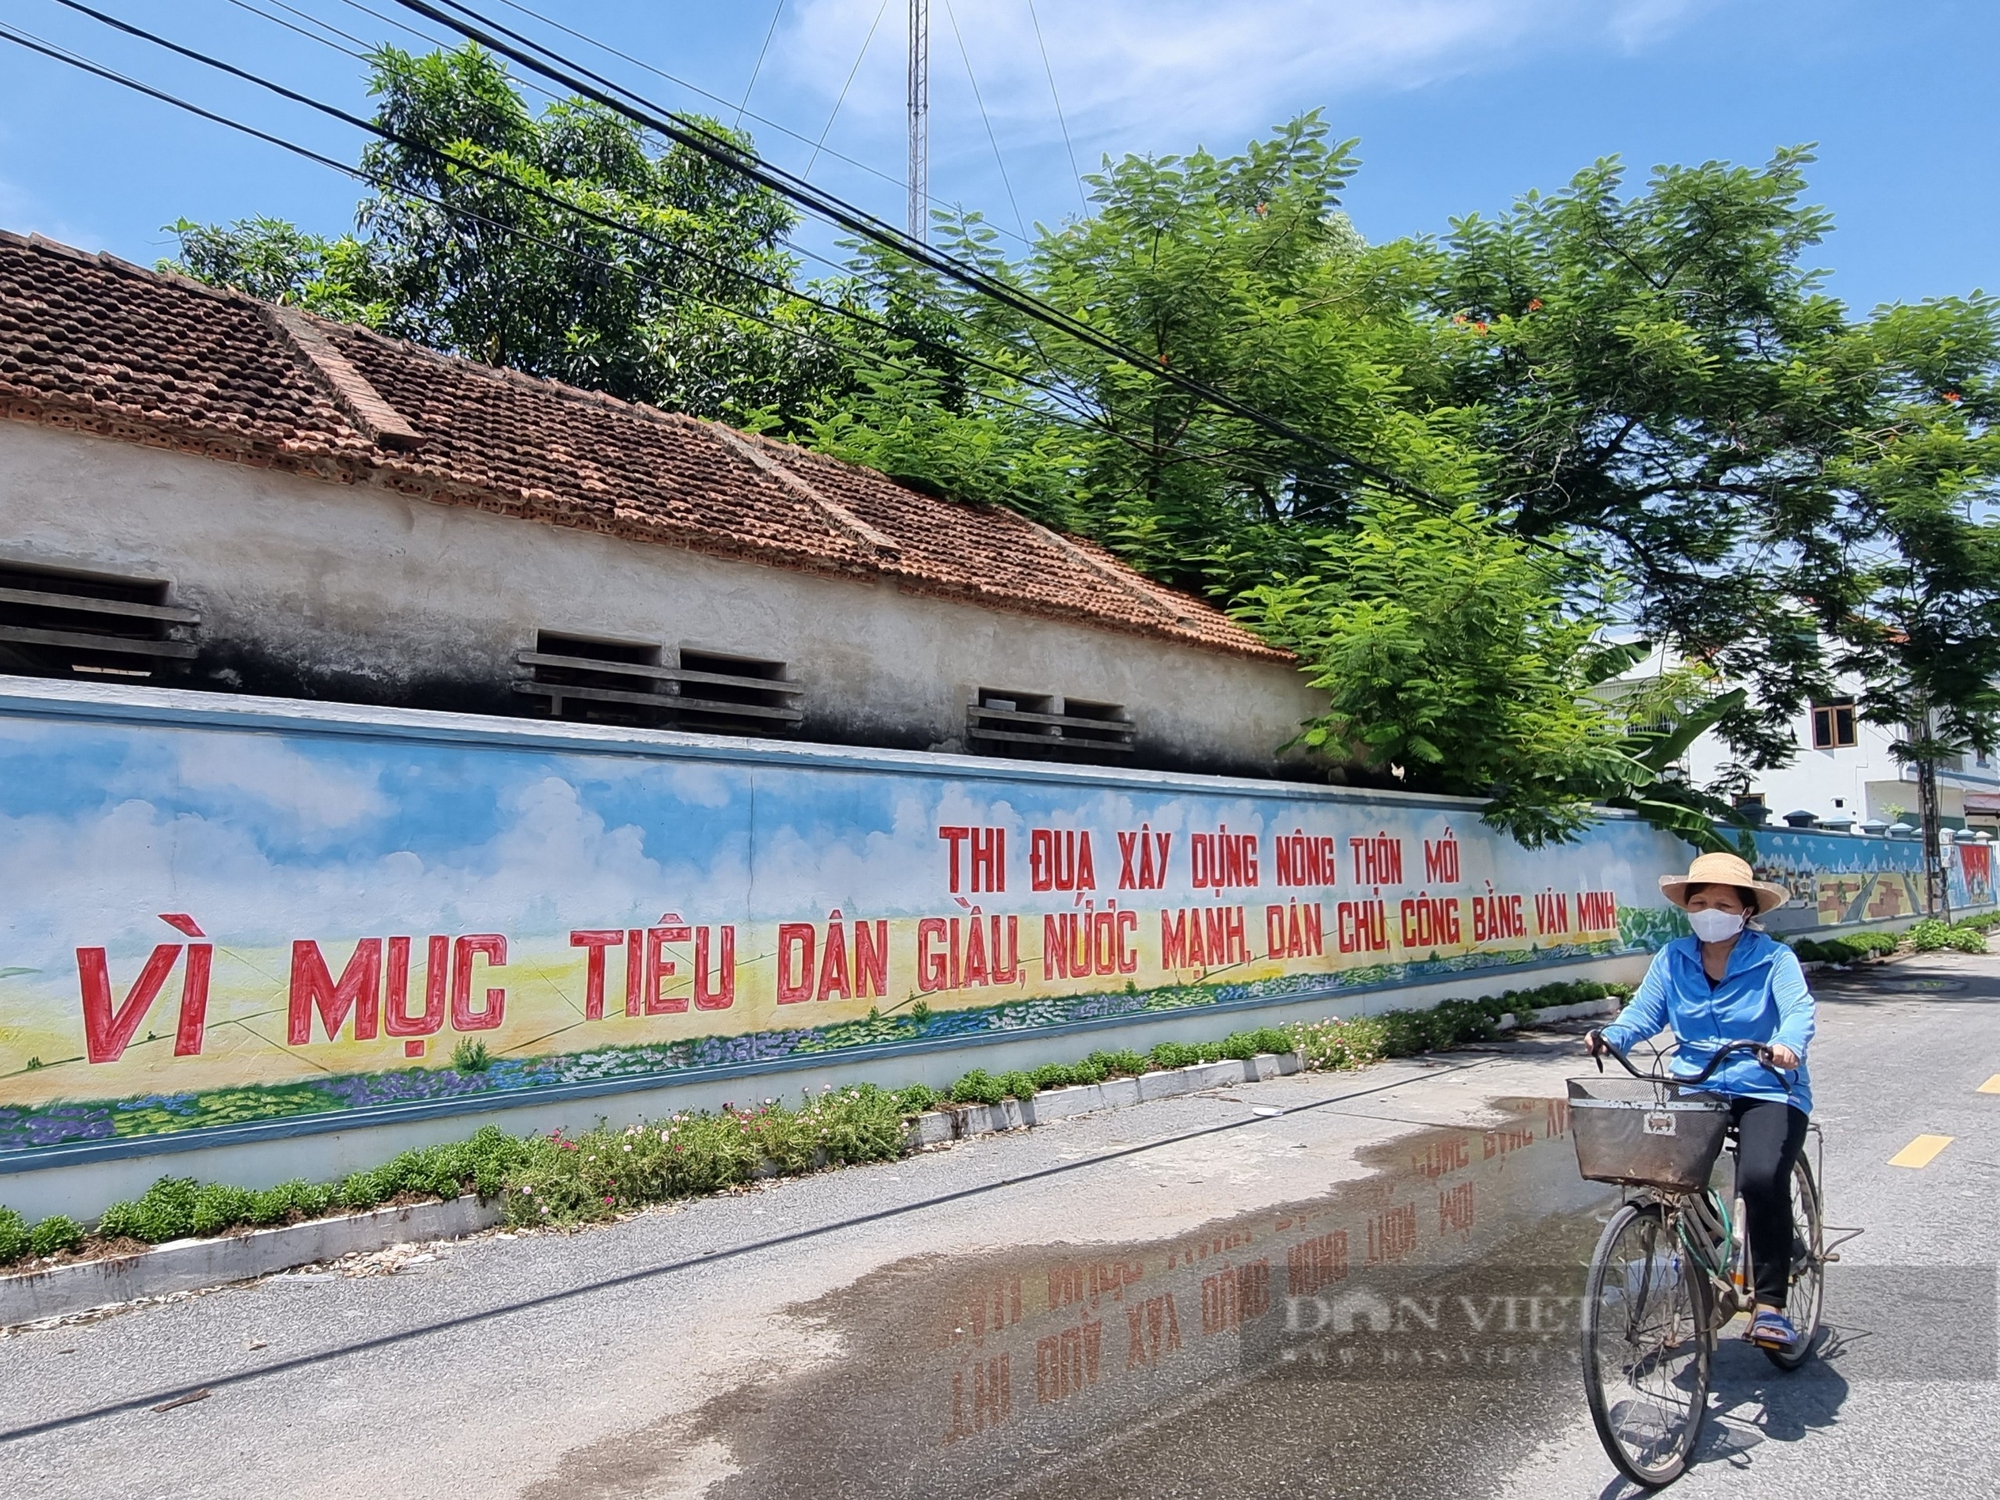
(1731, 982)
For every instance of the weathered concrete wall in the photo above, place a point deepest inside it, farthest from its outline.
(315, 590)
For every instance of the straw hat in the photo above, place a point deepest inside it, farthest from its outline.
(1723, 869)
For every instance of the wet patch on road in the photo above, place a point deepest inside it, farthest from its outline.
(1408, 1332)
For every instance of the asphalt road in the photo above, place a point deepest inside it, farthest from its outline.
(1345, 1285)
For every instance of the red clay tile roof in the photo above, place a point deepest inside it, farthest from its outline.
(99, 345)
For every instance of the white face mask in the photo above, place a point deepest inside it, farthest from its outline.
(1715, 926)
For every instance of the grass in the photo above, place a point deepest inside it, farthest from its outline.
(562, 1180)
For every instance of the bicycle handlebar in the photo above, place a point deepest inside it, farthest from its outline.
(1760, 1050)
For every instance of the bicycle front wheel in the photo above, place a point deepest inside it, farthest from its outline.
(1645, 1345)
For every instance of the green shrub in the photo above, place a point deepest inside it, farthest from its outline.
(1331, 1046)
(218, 1208)
(14, 1239)
(1932, 936)
(1174, 1055)
(1056, 1076)
(1981, 921)
(916, 1098)
(978, 1087)
(54, 1235)
(1018, 1085)
(1126, 1064)
(471, 1056)
(164, 1212)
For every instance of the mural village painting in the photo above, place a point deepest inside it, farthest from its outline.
(208, 925)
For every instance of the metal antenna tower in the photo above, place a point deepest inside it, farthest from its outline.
(920, 115)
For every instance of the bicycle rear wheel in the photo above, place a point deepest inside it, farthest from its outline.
(1806, 1294)
(1645, 1345)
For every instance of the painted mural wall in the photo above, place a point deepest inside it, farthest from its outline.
(207, 924)
(1842, 879)
(213, 918)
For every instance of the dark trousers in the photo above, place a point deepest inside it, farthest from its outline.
(1770, 1134)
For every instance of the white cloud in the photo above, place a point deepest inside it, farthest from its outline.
(315, 794)
(1124, 65)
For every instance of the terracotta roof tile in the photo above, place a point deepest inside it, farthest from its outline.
(95, 343)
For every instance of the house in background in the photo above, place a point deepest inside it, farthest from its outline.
(1846, 774)
(203, 491)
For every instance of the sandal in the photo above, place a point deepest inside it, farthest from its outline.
(1773, 1330)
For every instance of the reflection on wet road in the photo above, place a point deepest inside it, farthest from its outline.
(1289, 1338)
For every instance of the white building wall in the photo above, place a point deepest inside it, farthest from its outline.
(313, 589)
(1863, 781)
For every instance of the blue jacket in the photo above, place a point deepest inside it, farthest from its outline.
(1762, 997)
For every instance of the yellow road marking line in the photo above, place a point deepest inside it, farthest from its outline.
(1991, 1086)
(1920, 1152)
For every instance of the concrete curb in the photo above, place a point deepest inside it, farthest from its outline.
(956, 1122)
(184, 1265)
(1582, 1010)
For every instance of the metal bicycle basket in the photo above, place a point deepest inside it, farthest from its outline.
(1645, 1134)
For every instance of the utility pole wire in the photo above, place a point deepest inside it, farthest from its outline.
(859, 58)
(1075, 170)
(985, 119)
(1084, 423)
(761, 51)
(552, 65)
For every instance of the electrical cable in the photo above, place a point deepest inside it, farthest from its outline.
(552, 65)
(750, 87)
(1088, 421)
(1075, 170)
(984, 118)
(1085, 422)
(308, 35)
(1067, 400)
(1068, 397)
(693, 88)
(860, 57)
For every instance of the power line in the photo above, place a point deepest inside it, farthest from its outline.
(859, 58)
(776, 15)
(985, 119)
(1082, 423)
(693, 88)
(543, 195)
(1093, 422)
(1075, 170)
(308, 35)
(1066, 396)
(545, 60)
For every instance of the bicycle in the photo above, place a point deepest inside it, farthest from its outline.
(1673, 1264)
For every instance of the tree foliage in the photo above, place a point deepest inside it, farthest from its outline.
(561, 244)
(1611, 413)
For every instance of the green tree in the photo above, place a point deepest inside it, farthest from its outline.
(1661, 376)
(560, 244)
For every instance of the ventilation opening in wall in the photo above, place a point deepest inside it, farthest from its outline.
(735, 694)
(92, 626)
(1042, 726)
(604, 682)
(621, 682)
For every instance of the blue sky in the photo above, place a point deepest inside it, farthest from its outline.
(1459, 104)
